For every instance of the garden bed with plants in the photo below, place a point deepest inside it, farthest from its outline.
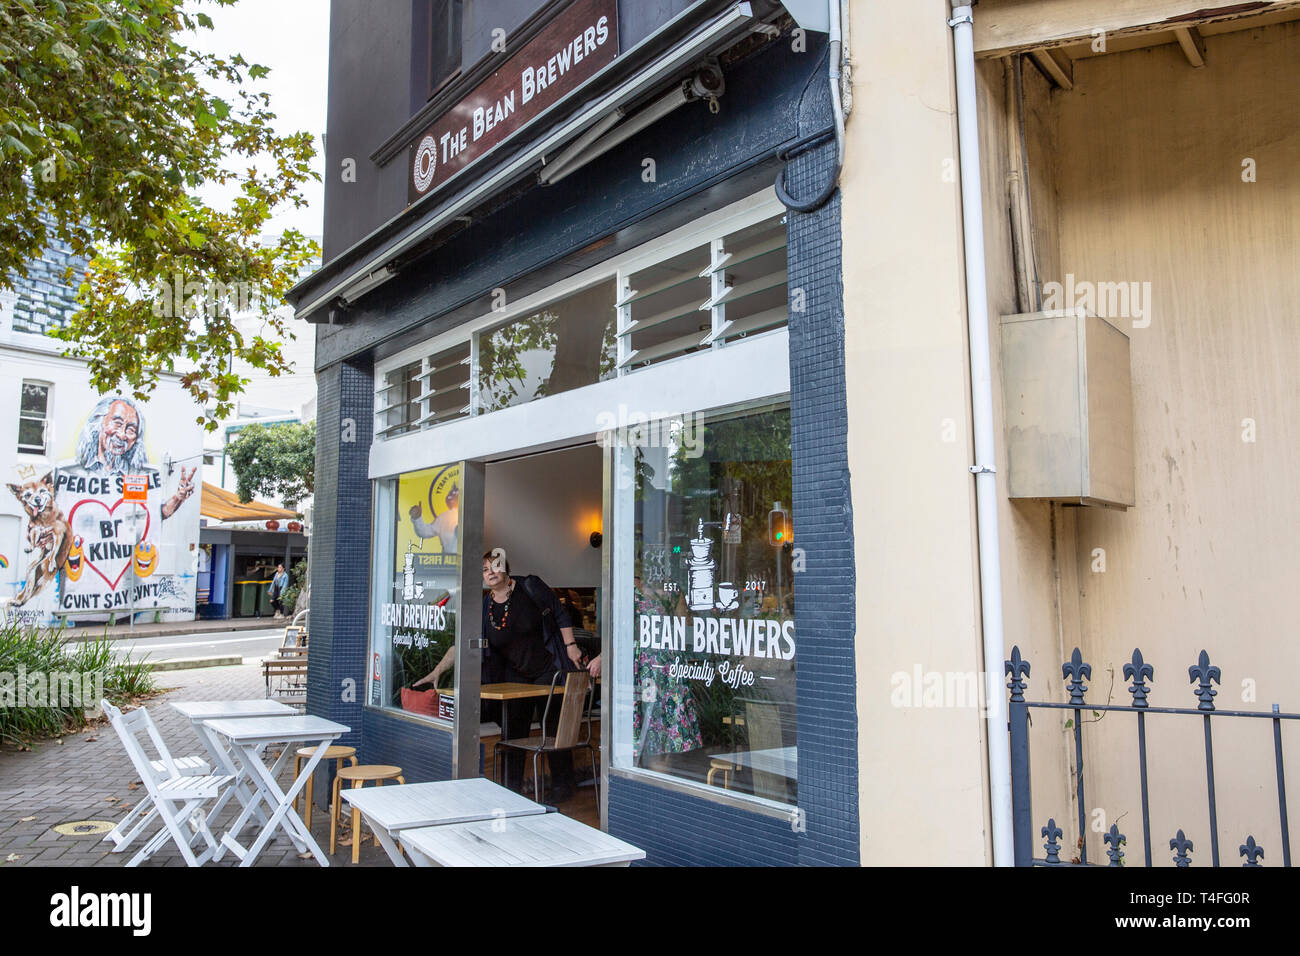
(28, 652)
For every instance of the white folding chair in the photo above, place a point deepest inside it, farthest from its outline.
(120, 836)
(174, 796)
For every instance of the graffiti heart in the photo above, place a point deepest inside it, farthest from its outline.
(96, 524)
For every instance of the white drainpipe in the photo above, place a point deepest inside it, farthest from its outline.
(986, 489)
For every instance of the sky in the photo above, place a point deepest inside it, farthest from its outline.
(291, 37)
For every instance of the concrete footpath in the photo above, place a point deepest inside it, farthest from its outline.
(88, 777)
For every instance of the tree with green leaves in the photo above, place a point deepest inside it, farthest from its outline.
(274, 460)
(109, 129)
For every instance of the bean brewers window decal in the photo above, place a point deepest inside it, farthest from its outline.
(705, 672)
(416, 599)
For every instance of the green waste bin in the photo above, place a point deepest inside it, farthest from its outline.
(264, 599)
(246, 598)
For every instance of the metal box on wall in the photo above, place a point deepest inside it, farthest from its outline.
(1068, 408)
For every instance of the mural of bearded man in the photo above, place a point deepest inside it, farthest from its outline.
(112, 443)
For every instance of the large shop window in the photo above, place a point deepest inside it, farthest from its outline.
(705, 658)
(416, 599)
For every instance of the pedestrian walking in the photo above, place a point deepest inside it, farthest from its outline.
(278, 585)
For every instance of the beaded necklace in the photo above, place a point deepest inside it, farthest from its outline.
(505, 616)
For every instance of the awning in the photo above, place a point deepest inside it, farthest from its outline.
(223, 505)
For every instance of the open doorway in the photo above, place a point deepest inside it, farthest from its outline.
(545, 512)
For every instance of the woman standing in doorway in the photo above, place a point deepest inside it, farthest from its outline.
(516, 610)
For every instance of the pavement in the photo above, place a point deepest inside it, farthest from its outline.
(88, 776)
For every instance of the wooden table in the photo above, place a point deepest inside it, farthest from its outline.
(548, 839)
(248, 736)
(389, 810)
(516, 691)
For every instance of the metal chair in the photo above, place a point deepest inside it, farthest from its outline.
(176, 797)
(575, 715)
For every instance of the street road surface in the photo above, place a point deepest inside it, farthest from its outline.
(251, 645)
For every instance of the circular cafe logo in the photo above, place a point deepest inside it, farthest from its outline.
(426, 162)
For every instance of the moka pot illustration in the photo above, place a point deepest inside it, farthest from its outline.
(699, 572)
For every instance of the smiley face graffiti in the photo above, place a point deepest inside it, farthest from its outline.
(146, 559)
(73, 565)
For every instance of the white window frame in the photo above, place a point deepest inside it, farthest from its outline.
(699, 380)
(45, 422)
(618, 745)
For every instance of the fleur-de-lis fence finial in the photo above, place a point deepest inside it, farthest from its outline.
(1139, 672)
(1018, 669)
(1205, 672)
(1115, 838)
(1076, 670)
(1184, 847)
(1251, 851)
(1053, 844)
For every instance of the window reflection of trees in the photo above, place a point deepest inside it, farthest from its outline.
(572, 343)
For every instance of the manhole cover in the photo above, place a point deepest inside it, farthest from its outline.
(84, 828)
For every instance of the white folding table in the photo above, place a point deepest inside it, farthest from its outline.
(248, 736)
(200, 710)
(546, 839)
(780, 761)
(388, 810)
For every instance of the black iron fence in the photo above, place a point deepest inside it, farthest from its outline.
(1203, 675)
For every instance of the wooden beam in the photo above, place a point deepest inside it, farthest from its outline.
(1056, 66)
(1189, 38)
(1017, 26)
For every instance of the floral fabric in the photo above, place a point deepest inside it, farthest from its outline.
(664, 720)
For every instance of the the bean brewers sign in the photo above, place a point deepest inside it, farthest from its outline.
(567, 52)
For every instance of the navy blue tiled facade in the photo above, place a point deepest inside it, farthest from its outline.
(674, 828)
(340, 546)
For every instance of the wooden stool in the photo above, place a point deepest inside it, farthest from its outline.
(358, 776)
(725, 767)
(302, 754)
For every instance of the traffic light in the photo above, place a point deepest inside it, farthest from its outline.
(779, 531)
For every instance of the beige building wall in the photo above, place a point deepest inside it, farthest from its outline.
(923, 785)
(1138, 177)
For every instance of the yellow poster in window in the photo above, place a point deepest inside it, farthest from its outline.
(428, 518)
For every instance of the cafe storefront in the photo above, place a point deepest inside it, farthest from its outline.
(631, 381)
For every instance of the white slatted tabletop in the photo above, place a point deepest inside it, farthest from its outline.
(288, 728)
(410, 806)
(436, 804)
(549, 839)
(210, 709)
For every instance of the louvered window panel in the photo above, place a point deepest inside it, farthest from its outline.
(445, 386)
(663, 311)
(397, 406)
(734, 286)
